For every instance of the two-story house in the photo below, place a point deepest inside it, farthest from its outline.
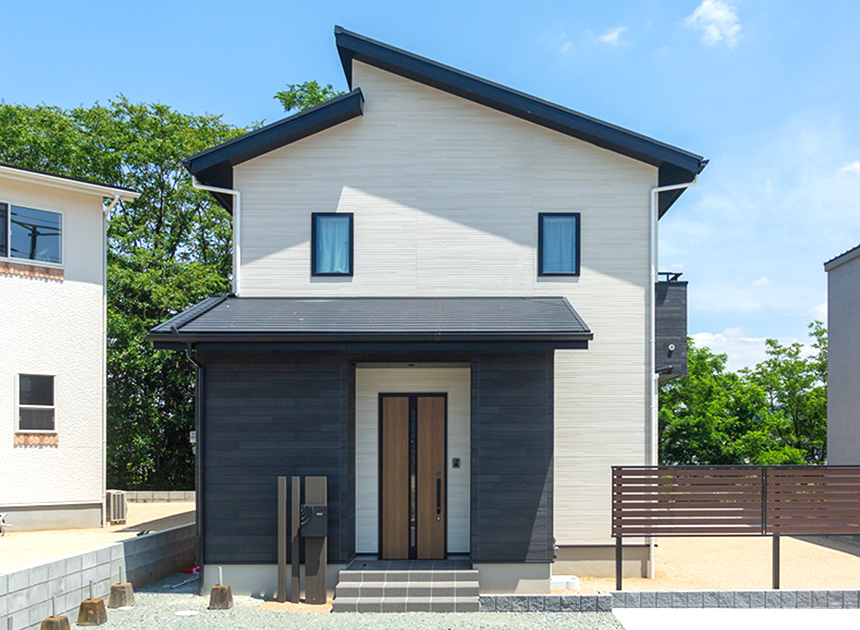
(443, 301)
(52, 372)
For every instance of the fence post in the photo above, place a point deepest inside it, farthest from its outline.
(295, 556)
(776, 561)
(618, 573)
(315, 546)
(282, 539)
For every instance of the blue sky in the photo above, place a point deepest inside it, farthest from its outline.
(768, 90)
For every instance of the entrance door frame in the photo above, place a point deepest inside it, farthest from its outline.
(411, 396)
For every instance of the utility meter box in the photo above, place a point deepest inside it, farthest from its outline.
(314, 521)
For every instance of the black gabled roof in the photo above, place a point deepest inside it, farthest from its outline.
(676, 165)
(215, 166)
(549, 322)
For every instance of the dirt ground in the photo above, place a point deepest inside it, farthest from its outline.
(682, 563)
(743, 563)
(18, 549)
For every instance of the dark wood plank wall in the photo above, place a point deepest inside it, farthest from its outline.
(270, 414)
(671, 327)
(512, 450)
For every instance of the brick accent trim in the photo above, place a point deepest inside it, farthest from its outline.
(36, 439)
(30, 271)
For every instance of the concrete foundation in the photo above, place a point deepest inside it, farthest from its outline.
(38, 517)
(599, 561)
(520, 578)
(259, 580)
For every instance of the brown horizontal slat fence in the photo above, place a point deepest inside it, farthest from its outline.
(656, 501)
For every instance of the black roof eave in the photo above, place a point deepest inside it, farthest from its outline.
(214, 166)
(262, 342)
(181, 338)
(682, 165)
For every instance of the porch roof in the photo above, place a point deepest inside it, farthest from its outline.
(391, 322)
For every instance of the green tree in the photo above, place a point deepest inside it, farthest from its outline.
(774, 413)
(166, 251)
(796, 391)
(300, 96)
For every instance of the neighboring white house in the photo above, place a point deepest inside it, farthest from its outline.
(432, 241)
(52, 349)
(843, 358)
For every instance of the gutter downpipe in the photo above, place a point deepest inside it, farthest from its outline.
(106, 213)
(198, 460)
(653, 459)
(237, 228)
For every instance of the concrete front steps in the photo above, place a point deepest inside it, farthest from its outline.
(411, 590)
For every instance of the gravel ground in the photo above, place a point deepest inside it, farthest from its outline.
(156, 607)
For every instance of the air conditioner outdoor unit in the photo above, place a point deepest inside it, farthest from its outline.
(116, 506)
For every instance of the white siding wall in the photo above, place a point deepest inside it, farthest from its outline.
(446, 195)
(56, 328)
(369, 383)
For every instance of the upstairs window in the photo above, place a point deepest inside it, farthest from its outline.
(331, 244)
(30, 234)
(35, 402)
(558, 244)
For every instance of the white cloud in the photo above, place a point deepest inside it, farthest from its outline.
(565, 47)
(742, 350)
(761, 282)
(613, 36)
(819, 311)
(853, 168)
(718, 22)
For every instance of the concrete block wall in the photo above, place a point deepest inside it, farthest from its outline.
(26, 593)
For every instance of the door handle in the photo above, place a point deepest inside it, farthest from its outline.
(438, 496)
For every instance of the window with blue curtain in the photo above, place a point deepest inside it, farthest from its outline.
(331, 244)
(558, 244)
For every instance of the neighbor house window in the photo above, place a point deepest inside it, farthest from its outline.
(558, 244)
(35, 402)
(331, 244)
(31, 234)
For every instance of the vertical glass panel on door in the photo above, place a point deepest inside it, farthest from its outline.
(36, 235)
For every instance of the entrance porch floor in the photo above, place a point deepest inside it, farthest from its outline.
(373, 563)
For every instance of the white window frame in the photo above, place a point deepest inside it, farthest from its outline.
(18, 404)
(26, 261)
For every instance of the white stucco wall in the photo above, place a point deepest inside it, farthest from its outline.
(446, 195)
(843, 360)
(56, 327)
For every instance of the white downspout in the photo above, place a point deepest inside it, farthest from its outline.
(111, 205)
(237, 226)
(653, 447)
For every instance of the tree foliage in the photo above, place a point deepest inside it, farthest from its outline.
(300, 96)
(775, 413)
(166, 251)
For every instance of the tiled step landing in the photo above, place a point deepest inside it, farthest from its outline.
(410, 590)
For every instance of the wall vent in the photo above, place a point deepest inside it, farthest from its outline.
(116, 506)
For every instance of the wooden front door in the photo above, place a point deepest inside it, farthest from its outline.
(412, 476)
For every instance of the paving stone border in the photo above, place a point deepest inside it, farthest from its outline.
(546, 603)
(605, 602)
